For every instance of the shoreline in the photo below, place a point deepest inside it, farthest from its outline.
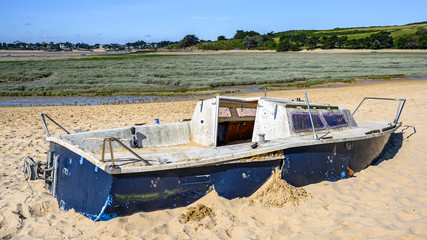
(120, 99)
(26, 55)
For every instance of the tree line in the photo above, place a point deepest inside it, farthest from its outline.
(379, 40)
(297, 40)
(293, 40)
(67, 46)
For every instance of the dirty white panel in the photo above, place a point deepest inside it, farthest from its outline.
(271, 120)
(203, 124)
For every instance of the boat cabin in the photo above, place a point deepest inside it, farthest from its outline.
(229, 120)
(217, 124)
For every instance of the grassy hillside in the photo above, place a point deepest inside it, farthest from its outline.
(361, 32)
(402, 37)
(357, 33)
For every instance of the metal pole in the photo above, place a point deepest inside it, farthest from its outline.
(397, 112)
(45, 126)
(400, 112)
(311, 117)
(111, 153)
(399, 108)
(103, 150)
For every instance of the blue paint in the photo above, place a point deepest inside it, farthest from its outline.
(105, 217)
(85, 191)
(101, 196)
(313, 164)
(62, 205)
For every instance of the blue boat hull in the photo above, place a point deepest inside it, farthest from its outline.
(101, 196)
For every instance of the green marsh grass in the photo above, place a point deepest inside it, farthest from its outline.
(186, 74)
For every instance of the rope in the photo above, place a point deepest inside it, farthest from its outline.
(102, 139)
(27, 169)
(407, 127)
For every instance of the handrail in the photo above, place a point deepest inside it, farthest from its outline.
(45, 126)
(399, 107)
(110, 140)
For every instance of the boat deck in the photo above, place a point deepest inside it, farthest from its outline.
(193, 154)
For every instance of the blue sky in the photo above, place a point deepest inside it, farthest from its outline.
(107, 21)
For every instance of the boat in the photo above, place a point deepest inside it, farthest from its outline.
(230, 145)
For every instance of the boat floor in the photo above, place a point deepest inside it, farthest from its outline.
(193, 152)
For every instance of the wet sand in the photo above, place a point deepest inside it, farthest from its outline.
(387, 201)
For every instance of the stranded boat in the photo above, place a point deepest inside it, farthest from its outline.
(231, 145)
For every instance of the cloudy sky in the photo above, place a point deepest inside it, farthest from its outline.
(107, 21)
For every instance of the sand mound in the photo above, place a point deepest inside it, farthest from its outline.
(276, 192)
(197, 213)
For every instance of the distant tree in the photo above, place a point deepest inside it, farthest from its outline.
(82, 46)
(379, 40)
(249, 42)
(284, 45)
(221, 38)
(329, 42)
(295, 47)
(259, 40)
(299, 37)
(68, 45)
(240, 34)
(270, 44)
(418, 40)
(268, 36)
(54, 47)
(164, 44)
(422, 38)
(188, 41)
(421, 31)
(311, 42)
(408, 41)
(138, 44)
(341, 41)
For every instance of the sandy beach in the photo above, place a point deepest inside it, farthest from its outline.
(387, 201)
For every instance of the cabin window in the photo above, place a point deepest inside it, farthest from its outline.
(246, 112)
(301, 122)
(224, 112)
(335, 120)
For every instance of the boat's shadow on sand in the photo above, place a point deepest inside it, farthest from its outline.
(394, 144)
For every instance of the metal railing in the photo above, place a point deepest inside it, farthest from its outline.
(45, 126)
(399, 107)
(110, 141)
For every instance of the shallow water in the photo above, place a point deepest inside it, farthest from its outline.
(128, 99)
(89, 100)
